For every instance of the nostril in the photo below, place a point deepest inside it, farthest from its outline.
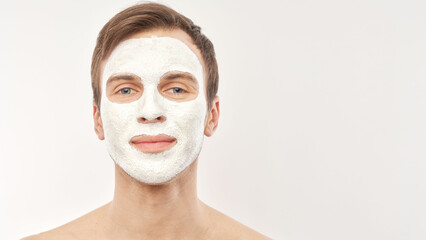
(153, 120)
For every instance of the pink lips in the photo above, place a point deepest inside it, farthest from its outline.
(153, 144)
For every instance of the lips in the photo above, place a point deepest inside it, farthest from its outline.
(153, 144)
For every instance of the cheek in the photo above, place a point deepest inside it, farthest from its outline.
(190, 117)
(117, 116)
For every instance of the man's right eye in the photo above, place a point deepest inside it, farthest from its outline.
(125, 91)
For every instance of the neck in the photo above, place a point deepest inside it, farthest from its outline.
(169, 210)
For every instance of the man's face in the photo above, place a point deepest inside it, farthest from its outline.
(153, 105)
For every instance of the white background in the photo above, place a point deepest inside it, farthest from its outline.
(322, 133)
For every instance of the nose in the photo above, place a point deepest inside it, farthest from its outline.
(151, 109)
(159, 119)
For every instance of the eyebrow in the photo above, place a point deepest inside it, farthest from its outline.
(177, 74)
(117, 77)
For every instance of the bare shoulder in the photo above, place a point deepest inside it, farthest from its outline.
(225, 227)
(80, 228)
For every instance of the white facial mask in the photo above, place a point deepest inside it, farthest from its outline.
(149, 59)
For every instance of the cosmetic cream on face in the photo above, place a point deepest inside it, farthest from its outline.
(182, 123)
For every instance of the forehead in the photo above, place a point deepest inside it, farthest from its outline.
(152, 55)
(175, 33)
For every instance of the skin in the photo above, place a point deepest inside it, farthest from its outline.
(167, 211)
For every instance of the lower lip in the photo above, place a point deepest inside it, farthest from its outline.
(154, 147)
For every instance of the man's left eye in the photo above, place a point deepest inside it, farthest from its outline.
(177, 90)
(126, 91)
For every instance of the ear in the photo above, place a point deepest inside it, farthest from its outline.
(212, 118)
(99, 128)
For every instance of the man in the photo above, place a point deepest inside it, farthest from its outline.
(154, 79)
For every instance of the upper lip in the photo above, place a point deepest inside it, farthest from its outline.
(152, 139)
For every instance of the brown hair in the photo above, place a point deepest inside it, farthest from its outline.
(145, 17)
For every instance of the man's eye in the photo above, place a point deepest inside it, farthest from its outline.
(125, 91)
(177, 90)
